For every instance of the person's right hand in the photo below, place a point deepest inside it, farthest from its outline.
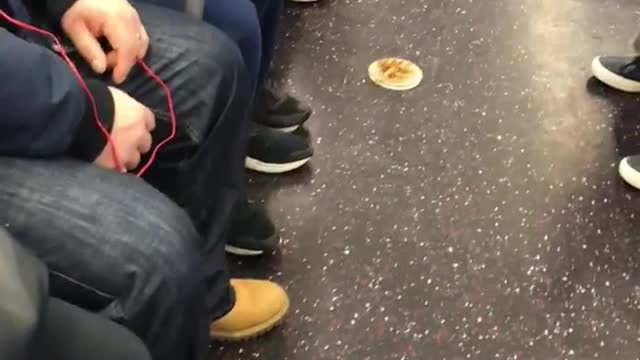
(87, 21)
(131, 133)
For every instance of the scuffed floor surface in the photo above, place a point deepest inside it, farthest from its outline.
(479, 216)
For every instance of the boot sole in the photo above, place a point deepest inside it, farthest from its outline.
(255, 331)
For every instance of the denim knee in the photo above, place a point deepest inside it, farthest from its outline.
(172, 264)
(219, 55)
(217, 76)
(239, 20)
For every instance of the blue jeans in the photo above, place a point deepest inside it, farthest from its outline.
(251, 24)
(116, 245)
(269, 13)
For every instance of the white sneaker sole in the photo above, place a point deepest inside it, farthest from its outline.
(612, 79)
(629, 174)
(273, 168)
(247, 252)
(242, 252)
(289, 129)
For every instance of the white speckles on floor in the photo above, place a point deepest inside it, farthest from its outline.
(479, 216)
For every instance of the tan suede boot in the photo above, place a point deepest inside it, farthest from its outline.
(260, 306)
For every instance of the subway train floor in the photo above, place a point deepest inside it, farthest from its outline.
(478, 216)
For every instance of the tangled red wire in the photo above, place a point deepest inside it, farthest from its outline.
(96, 116)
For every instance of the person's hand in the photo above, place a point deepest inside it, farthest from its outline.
(131, 133)
(89, 20)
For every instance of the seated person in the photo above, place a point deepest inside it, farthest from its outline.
(113, 243)
(34, 326)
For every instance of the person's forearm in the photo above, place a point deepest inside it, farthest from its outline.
(43, 109)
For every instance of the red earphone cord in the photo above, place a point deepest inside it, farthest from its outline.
(84, 86)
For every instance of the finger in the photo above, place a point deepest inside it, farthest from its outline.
(126, 49)
(144, 43)
(150, 120)
(87, 45)
(114, 159)
(133, 160)
(145, 143)
(112, 59)
(125, 61)
(140, 35)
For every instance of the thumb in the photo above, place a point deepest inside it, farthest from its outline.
(88, 46)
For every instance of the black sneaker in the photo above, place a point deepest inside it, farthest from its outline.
(276, 152)
(304, 133)
(280, 111)
(619, 72)
(629, 170)
(252, 233)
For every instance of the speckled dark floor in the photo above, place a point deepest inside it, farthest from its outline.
(479, 216)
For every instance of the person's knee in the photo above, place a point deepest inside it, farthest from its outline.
(238, 19)
(205, 68)
(173, 260)
(201, 50)
(219, 57)
(220, 79)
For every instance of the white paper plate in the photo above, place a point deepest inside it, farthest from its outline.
(410, 74)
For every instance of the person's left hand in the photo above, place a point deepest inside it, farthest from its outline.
(116, 20)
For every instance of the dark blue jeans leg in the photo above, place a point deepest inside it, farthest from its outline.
(238, 20)
(203, 170)
(269, 13)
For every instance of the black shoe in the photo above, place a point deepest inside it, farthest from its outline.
(252, 233)
(619, 72)
(629, 170)
(280, 111)
(304, 133)
(276, 152)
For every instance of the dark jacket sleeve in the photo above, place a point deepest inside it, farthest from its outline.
(43, 109)
(23, 295)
